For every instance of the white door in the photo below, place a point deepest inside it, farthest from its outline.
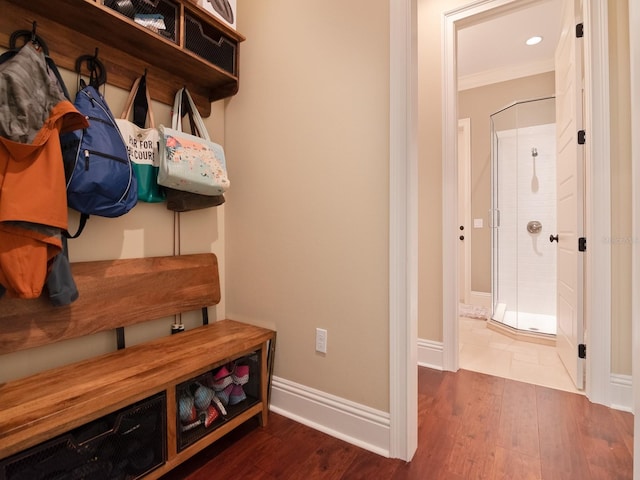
(464, 206)
(570, 191)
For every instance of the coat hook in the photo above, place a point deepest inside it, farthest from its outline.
(95, 56)
(33, 31)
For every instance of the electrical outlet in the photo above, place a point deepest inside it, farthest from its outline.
(321, 340)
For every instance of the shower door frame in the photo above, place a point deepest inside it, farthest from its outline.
(498, 313)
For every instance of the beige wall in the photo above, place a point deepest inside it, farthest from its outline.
(147, 230)
(307, 217)
(478, 104)
(621, 236)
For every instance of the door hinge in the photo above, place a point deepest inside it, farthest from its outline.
(580, 30)
(581, 137)
(582, 350)
(582, 244)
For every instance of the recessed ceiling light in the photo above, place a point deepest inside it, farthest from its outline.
(534, 40)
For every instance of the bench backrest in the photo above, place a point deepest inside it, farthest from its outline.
(113, 293)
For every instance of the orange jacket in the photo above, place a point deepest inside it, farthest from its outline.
(32, 198)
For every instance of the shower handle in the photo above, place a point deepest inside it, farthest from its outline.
(553, 238)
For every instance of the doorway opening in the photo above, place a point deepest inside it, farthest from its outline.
(457, 21)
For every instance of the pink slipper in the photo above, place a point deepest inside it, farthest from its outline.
(222, 379)
(210, 415)
(240, 374)
(237, 395)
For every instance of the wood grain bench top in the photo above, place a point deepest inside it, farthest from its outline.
(53, 402)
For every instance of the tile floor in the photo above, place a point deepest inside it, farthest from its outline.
(486, 351)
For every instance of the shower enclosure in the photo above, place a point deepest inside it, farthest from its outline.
(523, 216)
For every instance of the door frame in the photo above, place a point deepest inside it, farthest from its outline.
(403, 229)
(598, 209)
(634, 54)
(464, 210)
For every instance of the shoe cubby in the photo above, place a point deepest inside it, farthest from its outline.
(209, 401)
(127, 444)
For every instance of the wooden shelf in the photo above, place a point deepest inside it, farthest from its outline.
(72, 28)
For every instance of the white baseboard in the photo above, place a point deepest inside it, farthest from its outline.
(356, 424)
(621, 390)
(482, 299)
(430, 354)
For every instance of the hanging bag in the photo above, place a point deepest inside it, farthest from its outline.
(100, 176)
(192, 163)
(142, 143)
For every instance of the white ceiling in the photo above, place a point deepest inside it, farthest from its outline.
(494, 49)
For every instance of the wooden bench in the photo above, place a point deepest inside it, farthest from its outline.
(116, 294)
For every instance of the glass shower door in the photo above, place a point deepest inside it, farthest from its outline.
(504, 147)
(523, 215)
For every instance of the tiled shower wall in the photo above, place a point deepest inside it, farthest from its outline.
(527, 191)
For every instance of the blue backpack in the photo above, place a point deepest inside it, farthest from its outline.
(100, 178)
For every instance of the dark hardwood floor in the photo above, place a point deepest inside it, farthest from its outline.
(471, 426)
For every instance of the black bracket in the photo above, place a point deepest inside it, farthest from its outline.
(582, 351)
(120, 337)
(582, 244)
(581, 137)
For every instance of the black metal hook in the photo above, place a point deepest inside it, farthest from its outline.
(97, 71)
(28, 36)
(33, 32)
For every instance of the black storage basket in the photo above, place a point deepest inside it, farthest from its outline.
(208, 42)
(123, 445)
(159, 16)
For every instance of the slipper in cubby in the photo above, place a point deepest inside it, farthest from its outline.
(209, 415)
(218, 404)
(190, 426)
(187, 409)
(237, 395)
(240, 375)
(222, 379)
(202, 397)
(223, 395)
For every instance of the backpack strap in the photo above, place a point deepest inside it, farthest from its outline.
(83, 221)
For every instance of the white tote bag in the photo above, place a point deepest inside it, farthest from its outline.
(142, 144)
(188, 162)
